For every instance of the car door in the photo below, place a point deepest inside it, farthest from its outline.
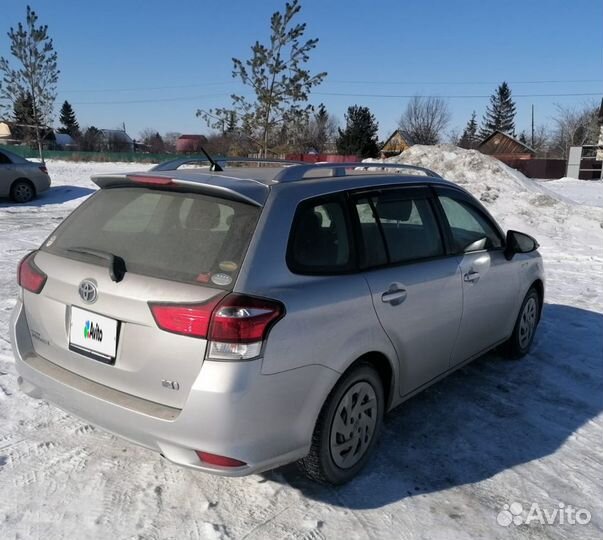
(490, 282)
(6, 174)
(415, 286)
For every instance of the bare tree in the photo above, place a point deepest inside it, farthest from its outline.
(169, 140)
(542, 141)
(575, 126)
(424, 120)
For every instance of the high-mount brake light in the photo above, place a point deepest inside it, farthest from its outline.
(29, 276)
(153, 180)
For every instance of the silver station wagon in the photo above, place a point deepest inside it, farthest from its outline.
(237, 319)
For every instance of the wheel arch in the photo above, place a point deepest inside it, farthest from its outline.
(23, 179)
(539, 286)
(385, 369)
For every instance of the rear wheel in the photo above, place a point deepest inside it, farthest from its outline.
(22, 191)
(347, 429)
(525, 327)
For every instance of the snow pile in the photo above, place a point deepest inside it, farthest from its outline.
(516, 201)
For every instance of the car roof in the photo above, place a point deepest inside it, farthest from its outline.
(253, 184)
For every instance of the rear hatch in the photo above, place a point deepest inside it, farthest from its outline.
(124, 248)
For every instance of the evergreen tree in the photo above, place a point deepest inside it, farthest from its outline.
(523, 138)
(69, 124)
(35, 73)
(25, 118)
(322, 128)
(469, 138)
(500, 114)
(360, 134)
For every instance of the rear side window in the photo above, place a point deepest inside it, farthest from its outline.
(320, 238)
(397, 229)
(177, 236)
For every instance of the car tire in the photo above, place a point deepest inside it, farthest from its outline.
(347, 428)
(525, 327)
(22, 191)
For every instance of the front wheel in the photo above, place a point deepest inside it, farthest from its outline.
(525, 327)
(347, 429)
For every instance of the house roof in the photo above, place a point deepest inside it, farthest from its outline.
(396, 132)
(192, 137)
(63, 139)
(116, 135)
(528, 149)
(5, 131)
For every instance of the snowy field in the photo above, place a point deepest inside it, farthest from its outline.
(494, 433)
(580, 191)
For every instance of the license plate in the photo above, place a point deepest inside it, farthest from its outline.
(93, 335)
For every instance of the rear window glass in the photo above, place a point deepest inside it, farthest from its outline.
(178, 236)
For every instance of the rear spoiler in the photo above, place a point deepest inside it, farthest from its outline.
(227, 187)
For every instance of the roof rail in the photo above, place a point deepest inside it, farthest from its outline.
(174, 164)
(292, 174)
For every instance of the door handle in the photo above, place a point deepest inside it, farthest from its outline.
(471, 276)
(394, 296)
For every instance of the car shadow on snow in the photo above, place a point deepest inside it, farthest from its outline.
(54, 195)
(487, 417)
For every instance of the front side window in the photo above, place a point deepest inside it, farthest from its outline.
(471, 230)
(320, 240)
(396, 228)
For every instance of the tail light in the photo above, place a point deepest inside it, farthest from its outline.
(29, 276)
(186, 319)
(43, 169)
(235, 325)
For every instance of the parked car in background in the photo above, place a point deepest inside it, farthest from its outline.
(237, 320)
(20, 179)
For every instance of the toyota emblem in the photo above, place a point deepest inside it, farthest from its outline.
(88, 291)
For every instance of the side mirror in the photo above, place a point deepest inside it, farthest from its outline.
(518, 242)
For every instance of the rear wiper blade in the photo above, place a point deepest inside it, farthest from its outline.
(117, 266)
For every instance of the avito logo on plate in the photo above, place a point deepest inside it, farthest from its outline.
(93, 331)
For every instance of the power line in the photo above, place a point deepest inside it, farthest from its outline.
(338, 94)
(335, 81)
(150, 100)
(342, 94)
(143, 88)
(466, 83)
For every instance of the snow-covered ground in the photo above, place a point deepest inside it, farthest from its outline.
(494, 433)
(580, 191)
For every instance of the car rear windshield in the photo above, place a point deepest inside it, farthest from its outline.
(178, 236)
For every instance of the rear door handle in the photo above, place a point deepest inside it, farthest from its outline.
(394, 296)
(471, 276)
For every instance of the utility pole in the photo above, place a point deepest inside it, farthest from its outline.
(532, 125)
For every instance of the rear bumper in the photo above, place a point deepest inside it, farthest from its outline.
(42, 183)
(232, 410)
